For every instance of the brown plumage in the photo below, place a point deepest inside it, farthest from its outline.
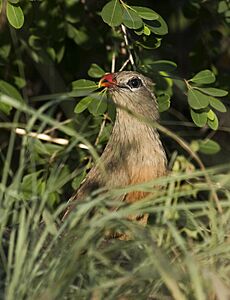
(134, 153)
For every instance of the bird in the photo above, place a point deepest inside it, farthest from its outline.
(134, 153)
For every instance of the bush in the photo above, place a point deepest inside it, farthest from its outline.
(55, 123)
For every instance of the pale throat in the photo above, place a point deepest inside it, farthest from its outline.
(130, 128)
(141, 140)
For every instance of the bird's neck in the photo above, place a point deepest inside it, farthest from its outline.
(128, 128)
(134, 148)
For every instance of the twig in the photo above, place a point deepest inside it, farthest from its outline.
(193, 154)
(56, 127)
(101, 129)
(42, 136)
(113, 62)
(131, 59)
(3, 18)
(124, 65)
(47, 138)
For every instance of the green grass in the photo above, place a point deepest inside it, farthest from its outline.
(183, 252)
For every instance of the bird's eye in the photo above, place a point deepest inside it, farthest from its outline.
(135, 83)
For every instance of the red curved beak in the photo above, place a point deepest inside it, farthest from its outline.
(108, 80)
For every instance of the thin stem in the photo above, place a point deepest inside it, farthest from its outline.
(193, 154)
(101, 129)
(124, 65)
(55, 127)
(123, 28)
(113, 65)
(42, 136)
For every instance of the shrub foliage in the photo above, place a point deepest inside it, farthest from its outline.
(55, 122)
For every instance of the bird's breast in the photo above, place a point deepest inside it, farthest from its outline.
(133, 163)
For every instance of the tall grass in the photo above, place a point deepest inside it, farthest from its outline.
(183, 252)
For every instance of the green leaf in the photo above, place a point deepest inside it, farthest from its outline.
(112, 13)
(211, 115)
(45, 149)
(163, 102)
(49, 221)
(149, 42)
(163, 65)
(30, 183)
(60, 174)
(203, 77)
(194, 145)
(212, 91)
(78, 180)
(5, 51)
(95, 71)
(208, 146)
(82, 105)
(141, 30)
(147, 31)
(197, 100)
(19, 82)
(53, 148)
(105, 133)
(51, 52)
(40, 147)
(217, 104)
(5, 108)
(222, 7)
(14, 1)
(82, 87)
(98, 104)
(200, 119)
(35, 42)
(213, 124)
(79, 35)
(131, 19)
(158, 26)
(9, 90)
(227, 16)
(146, 13)
(60, 53)
(15, 15)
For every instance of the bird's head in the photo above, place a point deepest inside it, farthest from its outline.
(132, 91)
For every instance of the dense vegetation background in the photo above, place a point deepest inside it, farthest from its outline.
(55, 123)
